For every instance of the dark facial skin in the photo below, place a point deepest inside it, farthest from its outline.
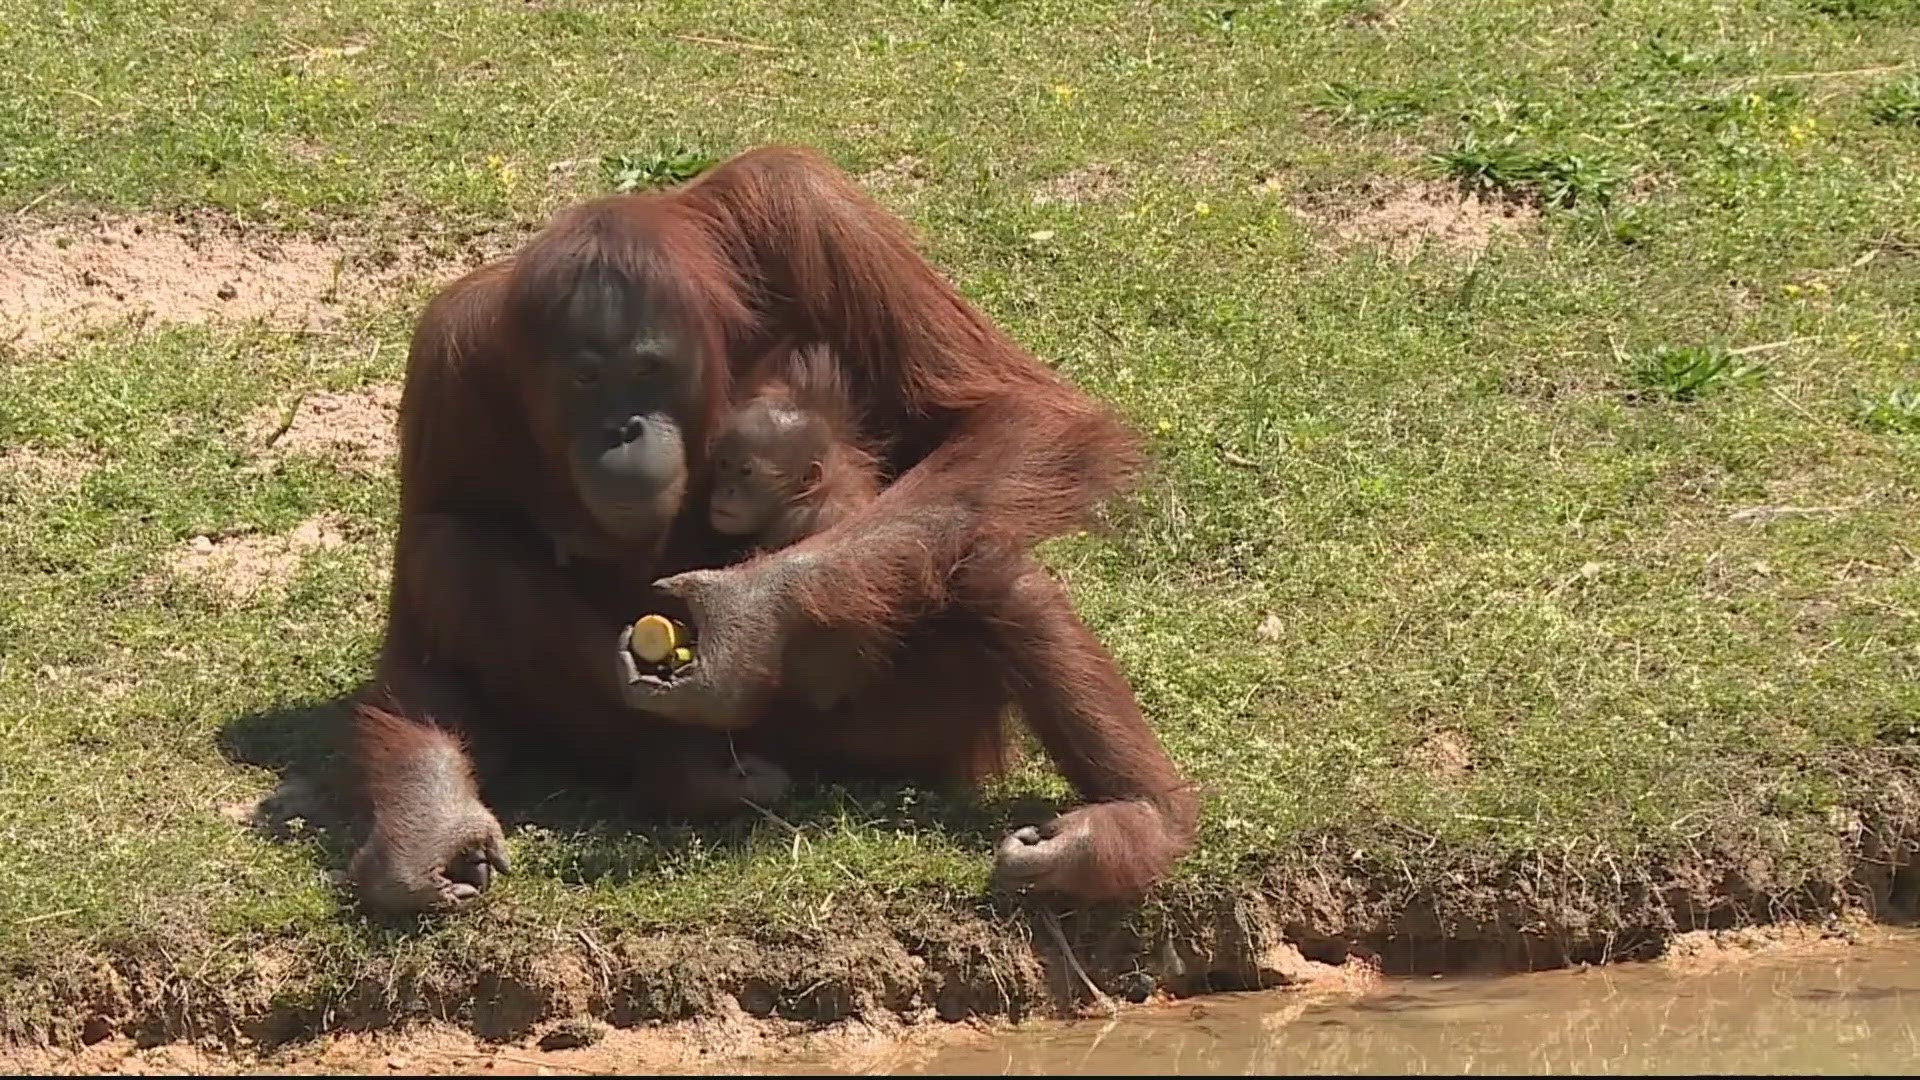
(624, 384)
(766, 459)
(748, 494)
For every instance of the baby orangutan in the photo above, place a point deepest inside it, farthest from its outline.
(786, 465)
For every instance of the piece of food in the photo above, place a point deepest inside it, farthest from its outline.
(655, 637)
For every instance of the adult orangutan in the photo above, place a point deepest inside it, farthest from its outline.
(563, 399)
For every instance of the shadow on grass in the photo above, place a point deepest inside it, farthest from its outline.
(607, 841)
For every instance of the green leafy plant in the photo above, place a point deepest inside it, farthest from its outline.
(1897, 413)
(1689, 372)
(1897, 103)
(637, 171)
(1507, 170)
(1736, 114)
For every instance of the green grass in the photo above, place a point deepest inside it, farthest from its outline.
(1496, 498)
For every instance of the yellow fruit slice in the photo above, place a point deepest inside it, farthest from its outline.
(655, 637)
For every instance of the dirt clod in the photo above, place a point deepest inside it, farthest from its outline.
(572, 1033)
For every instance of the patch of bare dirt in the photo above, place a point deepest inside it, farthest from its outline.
(906, 175)
(241, 566)
(1832, 488)
(61, 279)
(1404, 219)
(1094, 183)
(1268, 185)
(45, 470)
(1375, 14)
(305, 151)
(1445, 755)
(1202, 170)
(106, 683)
(355, 429)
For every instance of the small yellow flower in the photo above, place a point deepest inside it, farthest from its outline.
(1790, 289)
(959, 67)
(1165, 426)
(1065, 94)
(1853, 339)
(1201, 209)
(506, 172)
(1820, 288)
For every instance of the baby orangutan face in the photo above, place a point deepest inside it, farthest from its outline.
(767, 460)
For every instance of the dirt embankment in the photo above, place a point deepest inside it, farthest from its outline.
(1335, 913)
(735, 1042)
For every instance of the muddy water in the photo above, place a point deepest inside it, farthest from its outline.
(1850, 1010)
